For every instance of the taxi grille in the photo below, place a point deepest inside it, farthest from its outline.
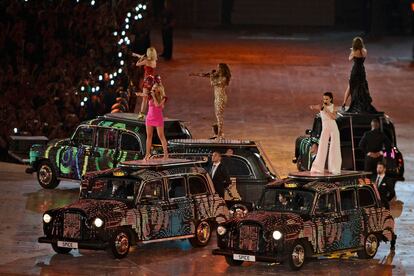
(249, 237)
(72, 226)
(69, 226)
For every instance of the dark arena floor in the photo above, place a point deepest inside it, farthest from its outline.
(274, 80)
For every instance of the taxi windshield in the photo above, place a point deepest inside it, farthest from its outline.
(286, 200)
(113, 188)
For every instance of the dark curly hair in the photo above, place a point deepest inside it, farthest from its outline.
(224, 70)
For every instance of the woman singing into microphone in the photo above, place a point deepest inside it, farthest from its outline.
(329, 130)
(219, 79)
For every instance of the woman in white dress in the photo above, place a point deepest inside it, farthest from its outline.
(329, 131)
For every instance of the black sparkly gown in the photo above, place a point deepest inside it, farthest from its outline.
(358, 87)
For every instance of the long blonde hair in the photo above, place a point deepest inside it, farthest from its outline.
(152, 54)
(159, 92)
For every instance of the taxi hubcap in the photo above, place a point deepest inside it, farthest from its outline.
(298, 255)
(45, 174)
(203, 232)
(122, 243)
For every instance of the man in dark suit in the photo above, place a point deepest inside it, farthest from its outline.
(386, 190)
(385, 185)
(219, 174)
(372, 143)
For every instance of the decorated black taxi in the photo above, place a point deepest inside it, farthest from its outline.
(309, 215)
(97, 144)
(139, 202)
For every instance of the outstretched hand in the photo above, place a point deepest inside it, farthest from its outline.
(315, 107)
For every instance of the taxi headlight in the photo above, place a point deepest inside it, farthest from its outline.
(277, 235)
(47, 218)
(98, 222)
(221, 230)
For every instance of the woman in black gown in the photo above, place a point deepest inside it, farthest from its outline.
(358, 85)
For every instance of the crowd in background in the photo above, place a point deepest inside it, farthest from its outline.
(48, 50)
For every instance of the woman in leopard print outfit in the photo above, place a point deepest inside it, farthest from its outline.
(219, 79)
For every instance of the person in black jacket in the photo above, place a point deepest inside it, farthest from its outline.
(219, 174)
(385, 185)
(372, 143)
(386, 189)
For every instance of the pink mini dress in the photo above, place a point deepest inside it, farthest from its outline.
(154, 116)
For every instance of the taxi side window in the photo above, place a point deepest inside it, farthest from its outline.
(106, 138)
(83, 136)
(366, 197)
(153, 190)
(237, 166)
(326, 203)
(176, 187)
(348, 200)
(129, 142)
(197, 185)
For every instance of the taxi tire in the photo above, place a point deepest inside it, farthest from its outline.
(200, 226)
(122, 236)
(232, 262)
(46, 166)
(60, 250)
(371, 238)
(296, 264)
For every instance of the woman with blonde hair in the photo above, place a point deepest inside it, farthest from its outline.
(219, 79)
(155, 118)
(358, 85)
(149, 61)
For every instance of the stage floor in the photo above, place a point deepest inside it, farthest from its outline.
(274, 80)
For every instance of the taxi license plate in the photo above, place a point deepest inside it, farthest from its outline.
(66, 244)
(246, 258)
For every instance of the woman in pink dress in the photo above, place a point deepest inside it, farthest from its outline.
(155, 117)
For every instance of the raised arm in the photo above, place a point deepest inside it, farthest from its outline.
(315, 107)
(351, 55)
(141, 62)
(203, 75)
(137, 55)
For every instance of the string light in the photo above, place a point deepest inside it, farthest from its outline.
(125, 40)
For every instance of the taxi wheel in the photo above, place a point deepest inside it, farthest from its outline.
(371, 244)
(60, 250)
(46, 175)
(232, 262)
(296, 256)
(202, 234)
(120, 243)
